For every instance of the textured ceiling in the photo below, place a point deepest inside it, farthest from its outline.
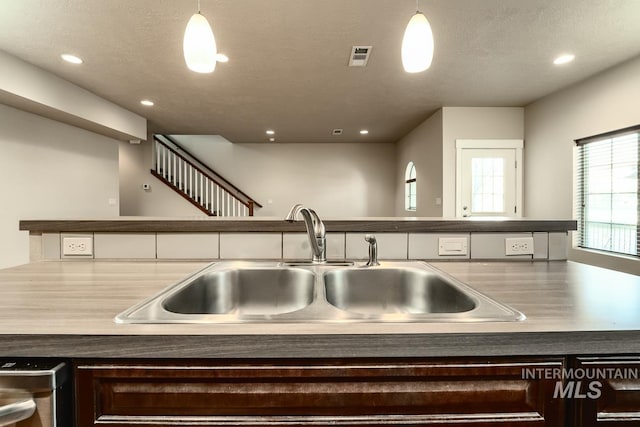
(288, 59)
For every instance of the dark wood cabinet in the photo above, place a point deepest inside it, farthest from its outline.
(617, 400)
(478, 392)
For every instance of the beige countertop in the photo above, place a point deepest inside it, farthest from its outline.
(66, 309)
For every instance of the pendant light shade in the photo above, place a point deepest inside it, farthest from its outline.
(417, 44)
(199, 45)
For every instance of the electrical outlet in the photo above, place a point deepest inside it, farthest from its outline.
(77, 246)
(519, 246)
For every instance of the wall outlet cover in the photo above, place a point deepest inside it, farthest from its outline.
(518, 246)
(77, 246)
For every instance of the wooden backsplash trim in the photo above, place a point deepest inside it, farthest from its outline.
(226, 225)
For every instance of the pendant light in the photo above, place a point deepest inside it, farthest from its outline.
(199, 45)
(417, 44)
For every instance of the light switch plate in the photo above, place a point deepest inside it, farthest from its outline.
(453, 246)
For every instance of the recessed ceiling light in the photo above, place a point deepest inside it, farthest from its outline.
(564, 59)
(364, 132)
(147, 103)
(221, 57)
(272, 140)
(71, 58)
(271, 132)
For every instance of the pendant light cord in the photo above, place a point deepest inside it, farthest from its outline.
(199, 5)
(417, 6)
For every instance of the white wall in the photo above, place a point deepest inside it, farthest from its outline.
(336, 180)
(30, 88)
(432, 146)
(50, 170)
(473, 123)
(422, 146)
(603, 103)
(606, 102)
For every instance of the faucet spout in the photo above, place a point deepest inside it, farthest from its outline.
(293, 213)
(315, 231)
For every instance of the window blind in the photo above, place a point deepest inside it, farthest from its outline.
(608, 192)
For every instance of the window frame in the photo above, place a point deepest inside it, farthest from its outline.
(581, 189)
(410, 187)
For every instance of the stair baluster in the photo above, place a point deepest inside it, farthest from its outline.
(187, 177)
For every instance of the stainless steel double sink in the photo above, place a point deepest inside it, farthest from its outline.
(241, 292)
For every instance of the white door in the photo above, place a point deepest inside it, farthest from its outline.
(488, 182)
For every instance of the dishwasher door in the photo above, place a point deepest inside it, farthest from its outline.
(35, 393)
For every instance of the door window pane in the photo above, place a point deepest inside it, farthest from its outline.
(487, 185)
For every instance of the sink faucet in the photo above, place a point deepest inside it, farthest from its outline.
(315, 231)
(373, 250)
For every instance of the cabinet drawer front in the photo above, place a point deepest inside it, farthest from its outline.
(616, 382)
(318, 393)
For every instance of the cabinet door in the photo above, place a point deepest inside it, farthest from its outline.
(614, 383)
(462, 392)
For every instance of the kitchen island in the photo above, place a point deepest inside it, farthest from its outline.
(66, 309)
(323, 373)
(353, 373)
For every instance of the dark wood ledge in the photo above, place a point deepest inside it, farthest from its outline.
(374, 225)
(322, 346)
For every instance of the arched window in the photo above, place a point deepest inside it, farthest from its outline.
(410, 187)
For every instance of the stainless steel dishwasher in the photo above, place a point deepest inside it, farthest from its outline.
(35, 393)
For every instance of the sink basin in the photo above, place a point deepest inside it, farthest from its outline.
(249, 291)
(394, 290)
(231, 292)
(409, 292)
(274, 292)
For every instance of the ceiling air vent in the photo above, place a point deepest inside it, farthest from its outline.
(359, 56)
(337, 131)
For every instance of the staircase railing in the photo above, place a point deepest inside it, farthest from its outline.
(196, 182)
